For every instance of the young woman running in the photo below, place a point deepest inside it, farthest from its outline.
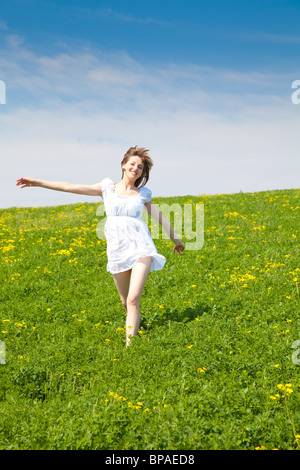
(131, 252)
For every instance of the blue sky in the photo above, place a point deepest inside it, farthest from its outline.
(206, 85)
(231, 33)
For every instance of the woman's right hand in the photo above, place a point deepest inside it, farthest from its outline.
(179, 247)
(26, 182)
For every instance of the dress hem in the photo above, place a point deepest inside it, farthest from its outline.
(156, 265)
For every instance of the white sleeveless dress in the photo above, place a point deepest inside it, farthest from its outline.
(128, 237)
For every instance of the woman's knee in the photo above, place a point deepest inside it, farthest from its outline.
(133, 300)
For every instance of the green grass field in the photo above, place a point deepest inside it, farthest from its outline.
(213, 366)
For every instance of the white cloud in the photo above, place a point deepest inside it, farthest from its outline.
(72, 116)
(266, 37)
(276, 38)
(110, 14)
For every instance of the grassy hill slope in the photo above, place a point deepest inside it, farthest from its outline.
(213, 367)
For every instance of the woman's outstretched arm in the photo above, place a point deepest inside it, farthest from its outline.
(154, 212)
(86, 189)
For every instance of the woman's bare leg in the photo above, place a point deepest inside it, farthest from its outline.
(122, 281)
(139, 274)
(130, 285)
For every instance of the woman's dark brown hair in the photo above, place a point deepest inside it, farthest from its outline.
(147, 163)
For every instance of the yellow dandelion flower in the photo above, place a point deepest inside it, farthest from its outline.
(275, 397)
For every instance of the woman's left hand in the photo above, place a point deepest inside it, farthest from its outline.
(179, 247)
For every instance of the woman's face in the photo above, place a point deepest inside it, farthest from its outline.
(133, 168)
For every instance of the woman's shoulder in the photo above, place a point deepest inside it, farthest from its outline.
(107, 187)
(107, 182)
(145, 193)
